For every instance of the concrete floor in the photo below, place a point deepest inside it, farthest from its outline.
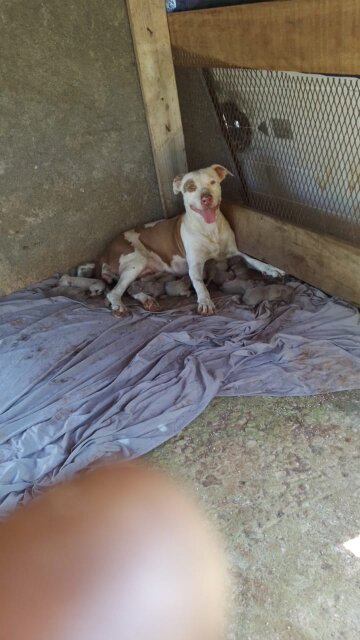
(281, 478)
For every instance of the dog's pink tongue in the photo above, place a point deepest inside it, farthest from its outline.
(209, 215)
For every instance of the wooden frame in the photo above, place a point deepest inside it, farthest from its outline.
(315, 36)
(157, 79)
(298, 35)
(321, 260)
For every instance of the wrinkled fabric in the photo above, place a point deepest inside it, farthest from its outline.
(77, 384)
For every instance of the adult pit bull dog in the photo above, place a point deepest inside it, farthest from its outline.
(180, 245)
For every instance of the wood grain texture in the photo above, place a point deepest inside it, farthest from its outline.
(156, 72)
(314, 36)
(319, 259)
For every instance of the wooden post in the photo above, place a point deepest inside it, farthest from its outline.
(148, 22)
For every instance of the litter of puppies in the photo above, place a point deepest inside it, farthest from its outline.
(232, 277)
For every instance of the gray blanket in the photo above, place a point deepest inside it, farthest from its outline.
(77, 384)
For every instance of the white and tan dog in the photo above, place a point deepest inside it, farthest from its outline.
(178, 245)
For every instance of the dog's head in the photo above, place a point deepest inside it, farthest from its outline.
(202, 190)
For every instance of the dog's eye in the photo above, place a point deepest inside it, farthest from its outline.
(189, 186)
(212, 181)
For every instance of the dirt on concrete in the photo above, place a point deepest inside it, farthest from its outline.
(280, 478)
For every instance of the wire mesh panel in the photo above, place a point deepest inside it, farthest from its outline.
(293, 141)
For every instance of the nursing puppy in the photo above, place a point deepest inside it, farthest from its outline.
(180, 245)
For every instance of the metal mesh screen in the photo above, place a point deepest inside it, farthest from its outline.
(293, 141)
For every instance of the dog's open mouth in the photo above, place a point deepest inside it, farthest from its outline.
(209, 214)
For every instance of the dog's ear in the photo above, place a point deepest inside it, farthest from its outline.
(177, 184)
(221, 171)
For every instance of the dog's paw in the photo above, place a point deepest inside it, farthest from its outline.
(150, 304)
(120, 311)
(264, 268)
(117, 306)
(273, 272)
(206, 307)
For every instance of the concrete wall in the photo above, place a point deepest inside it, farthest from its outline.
(75, 158)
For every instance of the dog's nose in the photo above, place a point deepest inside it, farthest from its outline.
(206, 199)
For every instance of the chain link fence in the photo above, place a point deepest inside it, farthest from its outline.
(291, 139)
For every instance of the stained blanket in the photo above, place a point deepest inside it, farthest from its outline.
(77, 384)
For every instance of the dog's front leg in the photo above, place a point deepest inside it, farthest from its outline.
(206, 306)
(262, 267)
(252, 263)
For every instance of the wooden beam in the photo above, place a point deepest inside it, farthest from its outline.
(314, 36)
(321, 260)
(156, 71)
